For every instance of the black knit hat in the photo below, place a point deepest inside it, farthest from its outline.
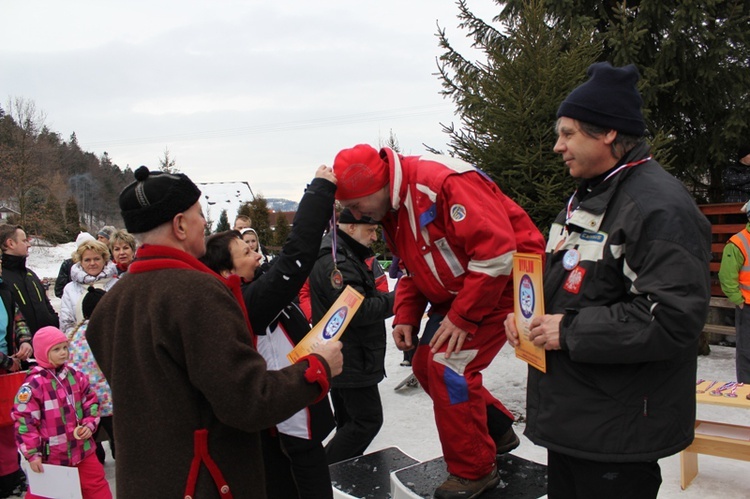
(90, 300)
(608, 99)
(743, 151)
(155, 198)
(347, 217)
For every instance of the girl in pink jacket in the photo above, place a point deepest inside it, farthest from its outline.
(56, 414)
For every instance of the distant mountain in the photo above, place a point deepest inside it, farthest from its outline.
(277, 204)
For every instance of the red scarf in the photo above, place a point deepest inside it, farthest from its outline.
(150, 257)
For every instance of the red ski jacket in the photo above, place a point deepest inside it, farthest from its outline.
(456, 233)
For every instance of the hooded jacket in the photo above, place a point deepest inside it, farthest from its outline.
(48, 407)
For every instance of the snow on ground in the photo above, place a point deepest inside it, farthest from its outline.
(409, 422)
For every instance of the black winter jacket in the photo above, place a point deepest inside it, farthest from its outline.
(364, 338)
(270, 297)
(622, 388)
(63, 277)
(28, 293)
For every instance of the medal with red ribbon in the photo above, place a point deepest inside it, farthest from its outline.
(337, 279)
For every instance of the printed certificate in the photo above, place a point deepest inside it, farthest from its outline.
(331, 326)
(55, 481)
(528, 303)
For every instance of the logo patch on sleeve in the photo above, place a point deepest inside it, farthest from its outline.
(458, 212)
(24, 394)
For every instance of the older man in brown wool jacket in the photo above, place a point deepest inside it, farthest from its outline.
(190, 390)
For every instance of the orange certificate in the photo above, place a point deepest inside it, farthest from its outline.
(528, 303)
(331, 326)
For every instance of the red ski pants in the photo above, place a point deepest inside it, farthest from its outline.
(459, 399)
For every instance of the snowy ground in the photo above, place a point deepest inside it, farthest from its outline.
(409, 423)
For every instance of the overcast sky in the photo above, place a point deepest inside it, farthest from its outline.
(256, 91)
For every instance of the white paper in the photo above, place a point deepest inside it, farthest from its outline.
(57, 482)
(716, 430)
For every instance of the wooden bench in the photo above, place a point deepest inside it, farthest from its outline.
(716, 439)
(720, 302)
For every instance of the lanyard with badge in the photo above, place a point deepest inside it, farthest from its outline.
(572, 257)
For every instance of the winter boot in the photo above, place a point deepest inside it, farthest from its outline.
(456, 487)
(507, 442)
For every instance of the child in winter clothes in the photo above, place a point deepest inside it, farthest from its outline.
(56, 414)
(82, 360)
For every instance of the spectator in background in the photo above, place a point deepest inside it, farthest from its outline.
(28, 290)
(123, 247)
(355, 396)
(15, 346)
(63, 276)
(242, 222)
(734, 276)
(92, 268)
(105, 234)
(83, 361)
(251, 238)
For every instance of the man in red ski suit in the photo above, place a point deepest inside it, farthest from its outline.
(456, 233)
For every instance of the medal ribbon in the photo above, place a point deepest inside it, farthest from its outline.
(337, 279)
(569, 212)
(334, 239)
(68, 394)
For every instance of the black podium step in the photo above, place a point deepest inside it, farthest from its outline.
(519, 479)
(368, 476)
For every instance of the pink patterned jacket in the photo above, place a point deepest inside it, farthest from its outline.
(47, 409)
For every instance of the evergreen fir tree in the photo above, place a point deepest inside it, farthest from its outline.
(245, 209)
(694, 57)
(209, 224)
(282, 229)
(223, 223)
(54, 221)
(72, 219)
(508, 103)
(259, 216)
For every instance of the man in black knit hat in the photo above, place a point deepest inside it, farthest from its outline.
(626, 296)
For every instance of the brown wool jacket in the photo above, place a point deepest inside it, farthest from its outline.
(178, 355)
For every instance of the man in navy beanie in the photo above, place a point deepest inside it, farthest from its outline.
(626, 297)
